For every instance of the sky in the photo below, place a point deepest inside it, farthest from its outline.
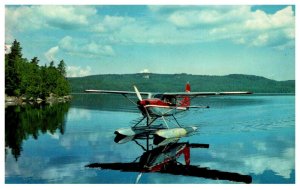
(210, 40)
(200, 40)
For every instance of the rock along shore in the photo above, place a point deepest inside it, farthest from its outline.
(22, 100)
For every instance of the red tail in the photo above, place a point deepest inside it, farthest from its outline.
(186, 153)
(186, 100)
(187, 87)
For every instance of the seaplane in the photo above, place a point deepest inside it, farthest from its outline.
(160, 106)
(162, 154)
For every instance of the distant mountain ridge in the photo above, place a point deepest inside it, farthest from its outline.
(175, 83)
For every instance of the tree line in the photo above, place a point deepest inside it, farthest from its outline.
(176, 83)
(27, 78)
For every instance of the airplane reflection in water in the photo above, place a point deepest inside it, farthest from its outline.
(163, 159)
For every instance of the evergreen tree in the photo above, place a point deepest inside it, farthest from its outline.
(51, 64)
(50, 79)
(35, 60)
(15, 50)
(62, 68)
(12, 77)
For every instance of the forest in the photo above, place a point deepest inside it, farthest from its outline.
(151, 82)
(28, 79)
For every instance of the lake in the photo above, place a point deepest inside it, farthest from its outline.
(249, 135)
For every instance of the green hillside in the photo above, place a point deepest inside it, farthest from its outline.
(176, 83)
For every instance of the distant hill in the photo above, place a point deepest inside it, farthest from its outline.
(176, 83)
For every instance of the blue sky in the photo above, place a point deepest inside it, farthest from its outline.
(204, 40)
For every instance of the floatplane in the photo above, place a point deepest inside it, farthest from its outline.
(165, 146)
(160, 105)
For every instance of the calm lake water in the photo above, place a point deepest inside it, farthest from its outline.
(250, 135)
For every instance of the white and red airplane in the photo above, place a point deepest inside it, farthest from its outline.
(165, 104)
(160, 105)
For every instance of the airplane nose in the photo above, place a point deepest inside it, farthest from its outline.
(140, 102)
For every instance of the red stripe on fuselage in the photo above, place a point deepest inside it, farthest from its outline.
(155, 101)
(159, 107)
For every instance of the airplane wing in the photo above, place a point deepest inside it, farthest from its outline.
(115, 92)
(177, 94)
(195, 94)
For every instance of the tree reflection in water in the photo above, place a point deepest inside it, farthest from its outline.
(22, 122)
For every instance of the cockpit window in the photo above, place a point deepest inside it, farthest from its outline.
(169, 99)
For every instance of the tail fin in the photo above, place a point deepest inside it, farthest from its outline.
(187, 156)
(187, 87)
(186, 100)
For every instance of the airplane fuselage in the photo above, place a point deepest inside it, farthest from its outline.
(157, 107)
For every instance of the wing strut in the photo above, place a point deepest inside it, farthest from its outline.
(176, 120)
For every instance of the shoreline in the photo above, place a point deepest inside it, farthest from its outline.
(22, 100)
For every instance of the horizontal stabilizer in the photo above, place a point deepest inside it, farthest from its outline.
(196, 145)
(198, 106)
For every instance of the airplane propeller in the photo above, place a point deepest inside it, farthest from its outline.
(138, 94)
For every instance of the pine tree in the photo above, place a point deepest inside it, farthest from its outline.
(15, 50)
(51, 65)
(12, 77)
(34, 60)
(62, 68)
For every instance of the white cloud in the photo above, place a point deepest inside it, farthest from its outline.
(193, 18)
(236, 23)
(85, 48)
(7, 49)
(193, 24)
(51, 53)
(23, 18)
(60, 16)
(66, 43)
(262, 21)
(262, 39)
(78, 71)
(111, 25)
(166, 25)
(114, 22)
(208, 16)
